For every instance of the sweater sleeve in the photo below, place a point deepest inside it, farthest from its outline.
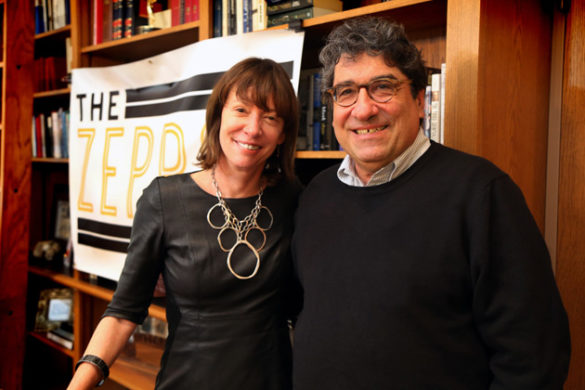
(144, 259)
(516, 302)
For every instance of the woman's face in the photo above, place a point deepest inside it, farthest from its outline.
(248, 135)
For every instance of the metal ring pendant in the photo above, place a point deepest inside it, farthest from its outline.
(219, 235)
(257, 228)
(269, 214)
(254, 251)
(225, 223)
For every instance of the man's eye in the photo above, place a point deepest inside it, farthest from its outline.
(384, 86)
(345, 91)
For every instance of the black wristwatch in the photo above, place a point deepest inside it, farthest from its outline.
(99, 363)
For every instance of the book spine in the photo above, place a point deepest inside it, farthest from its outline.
(442, 110)
(217, 18)
(60, 340)
(97, 22)
(56, 121)
(225, 16)
(435, 106)
(194, 10)
(39, 20)
(289, 5)
(188, 10)
(317, 131)
(287, 17)
(175, 6)
(107, 15)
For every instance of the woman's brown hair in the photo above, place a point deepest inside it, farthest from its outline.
(258, 81)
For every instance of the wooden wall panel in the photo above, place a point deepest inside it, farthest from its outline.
(497, 105)
(570, 270)
(16, 172)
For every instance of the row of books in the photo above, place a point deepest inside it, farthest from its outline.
(434, 122)
(50, 133)
(232, 17)
(315, 129)
(116, 19)
(240, 16)
(287, 11)
(51, 15)
(50, 73)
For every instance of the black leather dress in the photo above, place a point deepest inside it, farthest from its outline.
(224, 333)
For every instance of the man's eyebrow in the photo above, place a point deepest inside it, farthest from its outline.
(380, 77)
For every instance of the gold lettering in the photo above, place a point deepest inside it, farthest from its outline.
(109, 171)
(135, 170)
(90, 135)
(179, 167)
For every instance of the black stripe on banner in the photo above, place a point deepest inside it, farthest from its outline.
(107, 229)
(102, 243)
(188, 103)
(200, 82)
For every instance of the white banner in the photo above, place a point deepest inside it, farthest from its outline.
(132, 122)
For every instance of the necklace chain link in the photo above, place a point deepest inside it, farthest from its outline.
(240, 227)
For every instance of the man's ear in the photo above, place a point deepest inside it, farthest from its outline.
(420, 101)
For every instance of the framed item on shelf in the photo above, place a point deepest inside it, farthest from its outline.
(54, 308)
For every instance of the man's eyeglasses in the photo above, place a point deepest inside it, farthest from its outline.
(379, 90)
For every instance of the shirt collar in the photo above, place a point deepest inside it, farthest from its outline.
(347, 173)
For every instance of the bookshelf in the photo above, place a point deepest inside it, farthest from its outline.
(471, 36)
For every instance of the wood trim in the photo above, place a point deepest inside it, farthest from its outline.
(15, 178)
(89, 289)
(554, 135)
(496, 105)
(325, 154)
(571, 211)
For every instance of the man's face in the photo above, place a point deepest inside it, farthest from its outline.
(373, 133)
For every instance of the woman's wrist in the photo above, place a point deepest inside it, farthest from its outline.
(100, 366)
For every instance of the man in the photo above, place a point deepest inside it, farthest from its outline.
(422, 267)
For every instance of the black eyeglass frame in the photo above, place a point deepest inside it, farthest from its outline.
(398, 84)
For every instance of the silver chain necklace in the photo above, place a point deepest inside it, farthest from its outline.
(240, 228)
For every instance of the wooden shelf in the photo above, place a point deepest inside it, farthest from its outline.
(133, 373)
(43, 339)
(89, 289)
(320, 154)
(50, 160)
(52, 93)
(146, 45)
(57, 34)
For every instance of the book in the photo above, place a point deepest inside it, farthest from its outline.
(225, 5)
(442, 100)
(39, 18)
(259, 15)
(63, 335)
(436, 107)
(97, 22)
(317, 129)
(177, 12)
(217, 19)
(107, 15)
(427, 112)
(299, 14)
(59, 14)
(291, 5)
(56, 134)
(132, 18)
(117, 19)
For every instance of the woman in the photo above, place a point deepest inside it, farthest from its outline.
(220, 237)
